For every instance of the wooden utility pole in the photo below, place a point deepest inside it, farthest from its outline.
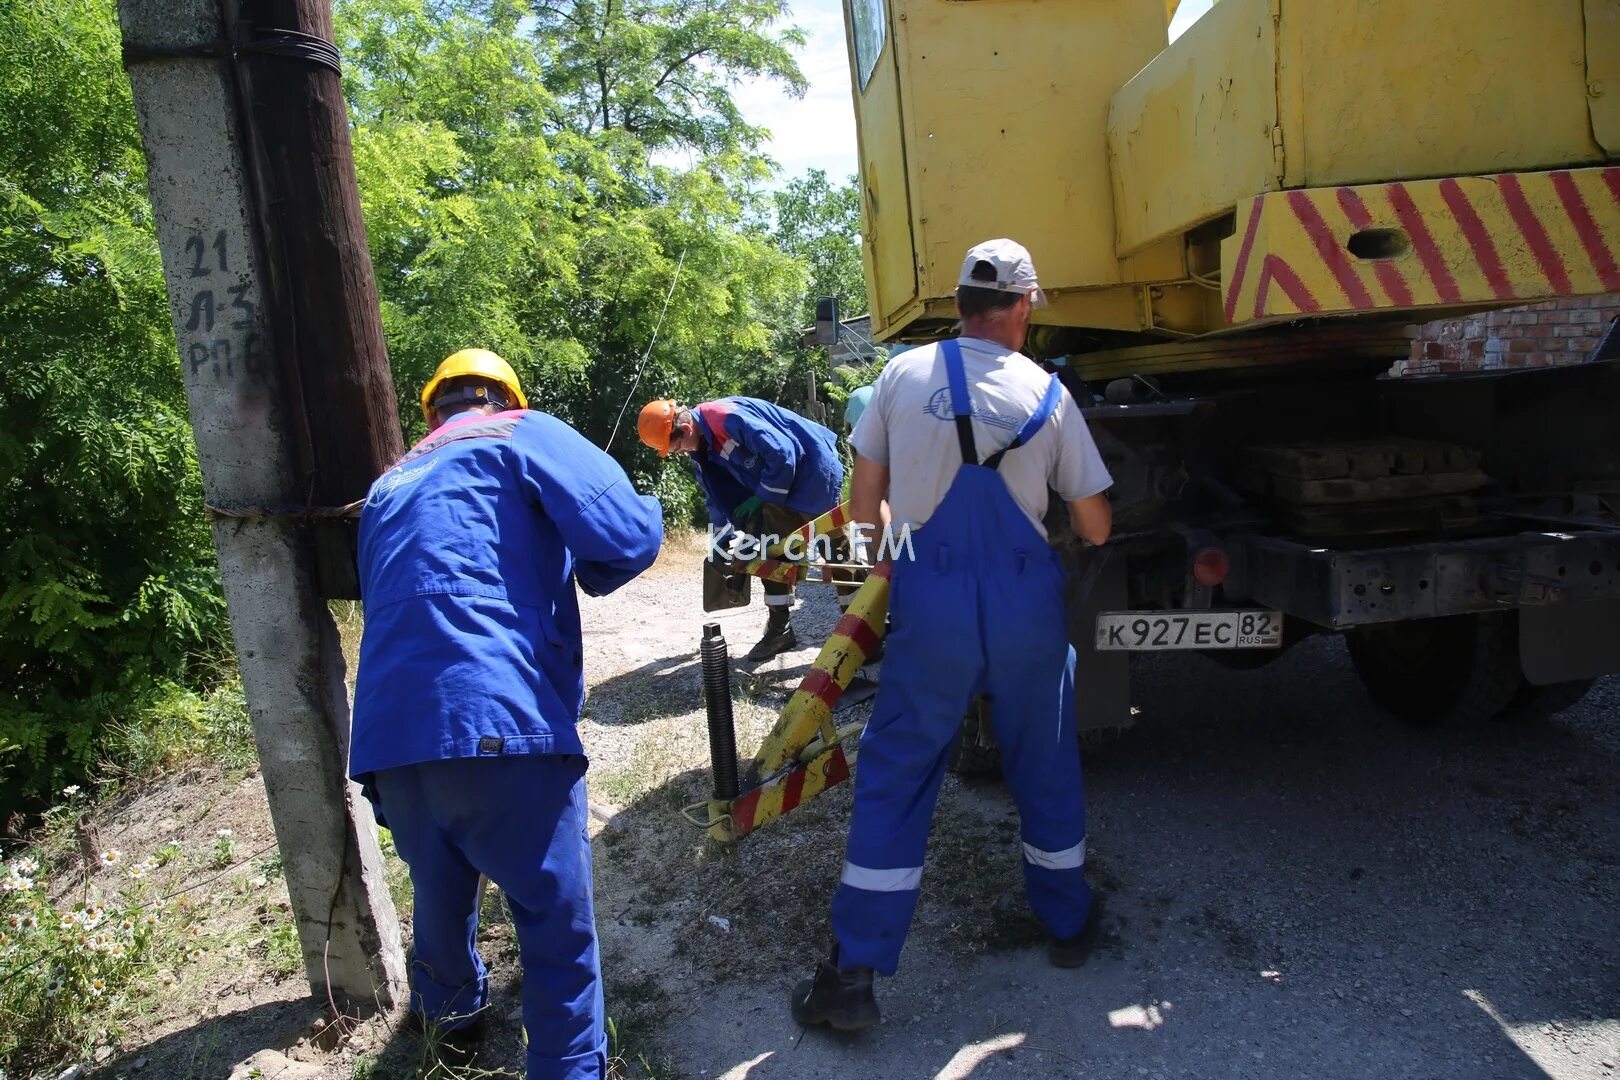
(322, 292)
(275, 311)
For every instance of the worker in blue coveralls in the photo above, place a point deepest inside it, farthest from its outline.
(964, 438)
(470, 686)
(764, 471)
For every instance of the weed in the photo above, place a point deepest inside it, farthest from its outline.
(224, 852)
(396, 874)
(282, 950)
(181, 727)
(68, 977)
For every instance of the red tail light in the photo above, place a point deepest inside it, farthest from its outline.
(1210, 567)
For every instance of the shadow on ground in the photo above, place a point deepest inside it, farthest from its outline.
(673, 685)
(1297, 885)
(209, 1049)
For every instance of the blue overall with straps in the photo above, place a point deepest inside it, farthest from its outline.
(978, 610)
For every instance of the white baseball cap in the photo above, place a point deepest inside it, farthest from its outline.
(1015, 271)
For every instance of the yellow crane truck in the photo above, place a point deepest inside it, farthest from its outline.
(1236, 231)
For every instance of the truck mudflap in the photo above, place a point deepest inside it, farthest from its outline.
(1338, 589)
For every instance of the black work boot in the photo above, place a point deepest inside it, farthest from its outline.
(779, 637)
(842, 1000)
(1072, 952)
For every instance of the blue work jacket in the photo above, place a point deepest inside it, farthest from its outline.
(469, 550)
(752, 447)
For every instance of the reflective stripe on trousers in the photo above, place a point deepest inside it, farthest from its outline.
(897, 880)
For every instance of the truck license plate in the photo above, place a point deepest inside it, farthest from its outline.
(1133, 631)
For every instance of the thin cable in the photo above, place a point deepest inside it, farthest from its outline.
(643, 365)
(849, 327)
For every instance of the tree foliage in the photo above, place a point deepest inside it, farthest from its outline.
(820, 225)
(516, 173)
(501, 213)
(108, 585)
(662, 71)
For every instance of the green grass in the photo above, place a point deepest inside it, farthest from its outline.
(180, 728)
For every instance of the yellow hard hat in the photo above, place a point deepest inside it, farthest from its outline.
(656, 425)
(479, 362)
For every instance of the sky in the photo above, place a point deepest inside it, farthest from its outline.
(817, 131)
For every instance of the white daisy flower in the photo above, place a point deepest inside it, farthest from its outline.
(71, 790)
(111, 857)
(224, 834)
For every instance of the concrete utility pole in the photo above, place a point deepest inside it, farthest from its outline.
(275, 312)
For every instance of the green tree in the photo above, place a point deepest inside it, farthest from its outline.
(493, 220)
(820, 224)
(108, 583)
(662, 70)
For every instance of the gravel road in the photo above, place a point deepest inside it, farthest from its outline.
(1296, 886)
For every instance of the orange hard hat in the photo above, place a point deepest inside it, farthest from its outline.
(656, 425)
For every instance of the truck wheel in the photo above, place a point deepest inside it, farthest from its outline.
(1535, 703)
(1457, 670)
(976, 752)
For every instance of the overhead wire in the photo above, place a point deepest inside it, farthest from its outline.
(642, 366)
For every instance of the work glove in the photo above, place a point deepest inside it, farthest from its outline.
(748, 516)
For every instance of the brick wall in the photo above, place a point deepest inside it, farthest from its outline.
(1541, 335)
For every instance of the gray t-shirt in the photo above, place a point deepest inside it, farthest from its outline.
(909, 427)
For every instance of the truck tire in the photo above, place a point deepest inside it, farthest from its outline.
(976, 752)
(1534, 703)
(1458, 670)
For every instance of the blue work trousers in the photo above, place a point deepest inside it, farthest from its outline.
(520, 820)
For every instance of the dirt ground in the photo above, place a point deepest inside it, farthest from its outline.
(1295, 884)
